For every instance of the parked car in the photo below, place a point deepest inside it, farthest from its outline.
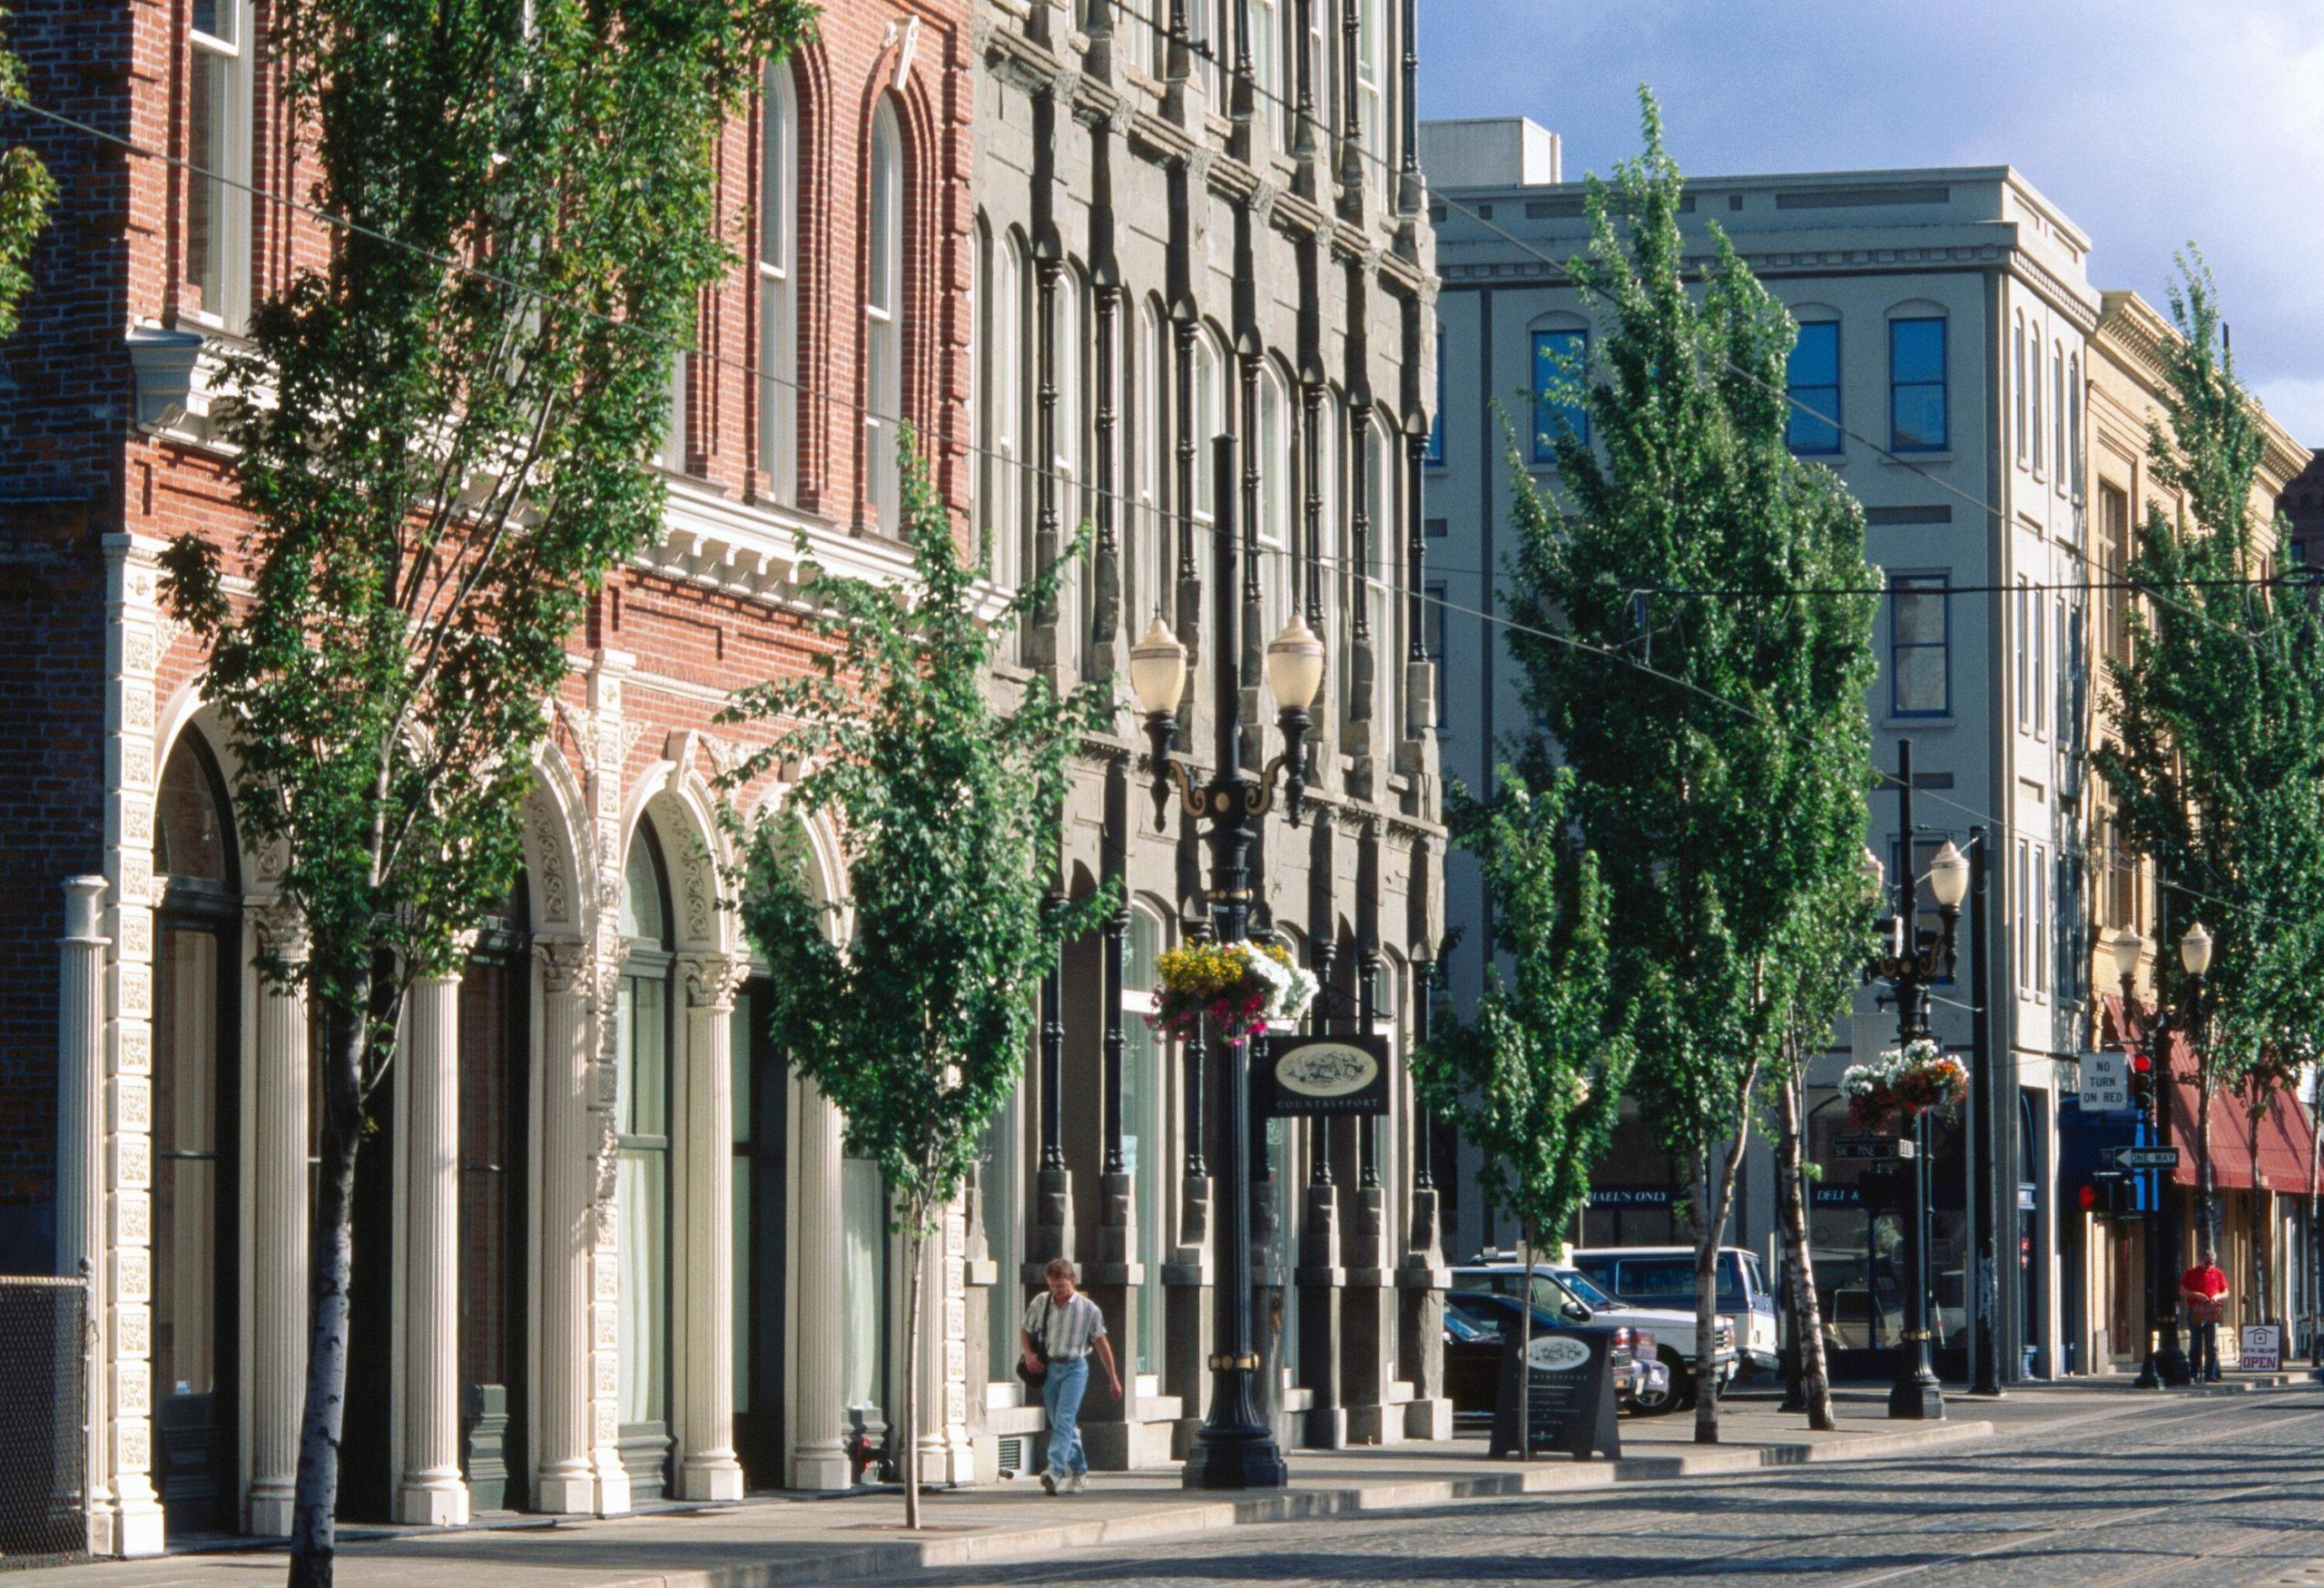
(1476, 1322)
(1673, 1333)
(1664, 1277)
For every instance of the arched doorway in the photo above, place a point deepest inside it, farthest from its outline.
(197, 977)
(494, 1082)
(643, 1187)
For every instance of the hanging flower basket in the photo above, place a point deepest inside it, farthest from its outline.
(1242, 986)
(1913, 1080)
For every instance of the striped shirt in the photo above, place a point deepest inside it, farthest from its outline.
(1066, 1332)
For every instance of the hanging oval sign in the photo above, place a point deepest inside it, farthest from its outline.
(1296, 1074)
(1326, 1069)
(1558, 1353)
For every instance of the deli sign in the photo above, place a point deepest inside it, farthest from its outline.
(1298, 1076)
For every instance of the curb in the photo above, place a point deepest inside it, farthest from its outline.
(892, 1558)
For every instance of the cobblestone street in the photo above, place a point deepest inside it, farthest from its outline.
(2203, 1492)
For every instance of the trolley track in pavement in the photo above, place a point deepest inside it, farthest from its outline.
(2159, 1429)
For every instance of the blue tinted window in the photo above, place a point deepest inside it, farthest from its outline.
(1559, 357)
(1916, 420)
(1813, 384)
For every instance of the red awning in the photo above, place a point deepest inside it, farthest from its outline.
(2285, 1131)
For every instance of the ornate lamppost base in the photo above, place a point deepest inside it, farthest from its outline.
(1919, 1400)
(1235, 1458)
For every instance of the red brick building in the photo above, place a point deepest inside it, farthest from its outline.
(593, 1193)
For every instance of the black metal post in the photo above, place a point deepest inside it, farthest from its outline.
(1234, 1449)
(1984, 1099)
(1915, 1394)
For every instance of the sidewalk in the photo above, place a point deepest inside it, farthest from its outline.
(786, 1539)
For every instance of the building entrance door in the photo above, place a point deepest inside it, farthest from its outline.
(495, 1048)
(762, 1108)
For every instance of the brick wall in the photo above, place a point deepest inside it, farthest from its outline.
(80, 469)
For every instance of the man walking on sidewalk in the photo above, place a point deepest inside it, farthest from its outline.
(1061, 1327)
(2203, 1288)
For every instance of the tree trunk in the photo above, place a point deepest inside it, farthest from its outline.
(1808, 1321)
(1525, 1346)
(1714, 1176)
(908, 1462)
(313, 1539)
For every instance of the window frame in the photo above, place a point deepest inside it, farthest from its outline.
(1920, 585)
(1943, 384)
(1797, 404)
(777, 275)
(884, 208)
(1543, 339)
(228, 180)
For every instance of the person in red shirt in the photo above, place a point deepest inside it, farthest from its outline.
(2204, 1291)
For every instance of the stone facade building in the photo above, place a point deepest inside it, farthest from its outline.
(1196, 218)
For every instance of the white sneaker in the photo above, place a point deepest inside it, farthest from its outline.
(1079, 1483)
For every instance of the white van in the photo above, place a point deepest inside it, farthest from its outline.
(1664, 1277)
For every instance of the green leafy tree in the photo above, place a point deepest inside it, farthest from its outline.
(1721, 780)
(26, 192)
(441, 436)
(1534, 1082)
(2218, 712)
(950, 812)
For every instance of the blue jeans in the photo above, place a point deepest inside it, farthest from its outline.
(2206, 1352)
(1061, 1390)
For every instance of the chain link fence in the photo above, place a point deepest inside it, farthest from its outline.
(43, 1419)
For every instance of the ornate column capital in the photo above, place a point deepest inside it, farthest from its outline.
(712, 979)
(564, 963)
(282, 931)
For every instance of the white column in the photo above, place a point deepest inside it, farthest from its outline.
(80, 1155)
(432, 1493)
(707, 1468)
(565, 1482)
(818, 1458)
(279, 1235)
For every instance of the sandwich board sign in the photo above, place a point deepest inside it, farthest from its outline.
(2260, 1349)
(1568, 1396)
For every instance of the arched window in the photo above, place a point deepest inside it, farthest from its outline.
(778, 350)
(1008, 355)
(1149, 428)
(2033, 387)
(642, 1188)
(1371, 98)
(2023, 434)
(1918, 420)
(1267, 69)
(1384, 610)
(196, 993)
(884, 307)
(1274, 527)
(217, 242)
(1210, 418)
(1812, 383)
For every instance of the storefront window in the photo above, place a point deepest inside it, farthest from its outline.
(1145, 1110)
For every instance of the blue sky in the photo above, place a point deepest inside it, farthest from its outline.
(2149, 122)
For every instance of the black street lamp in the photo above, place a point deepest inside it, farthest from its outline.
(1234, 1449)
(1914, 960)
(2149, 1044)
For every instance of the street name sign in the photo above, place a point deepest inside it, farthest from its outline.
(2141, 1157)
(1863, 1147)
(1307, 1075)
(2105, 1083)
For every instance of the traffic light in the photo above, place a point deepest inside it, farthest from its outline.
(2112, 1195)
(2142, 1082)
